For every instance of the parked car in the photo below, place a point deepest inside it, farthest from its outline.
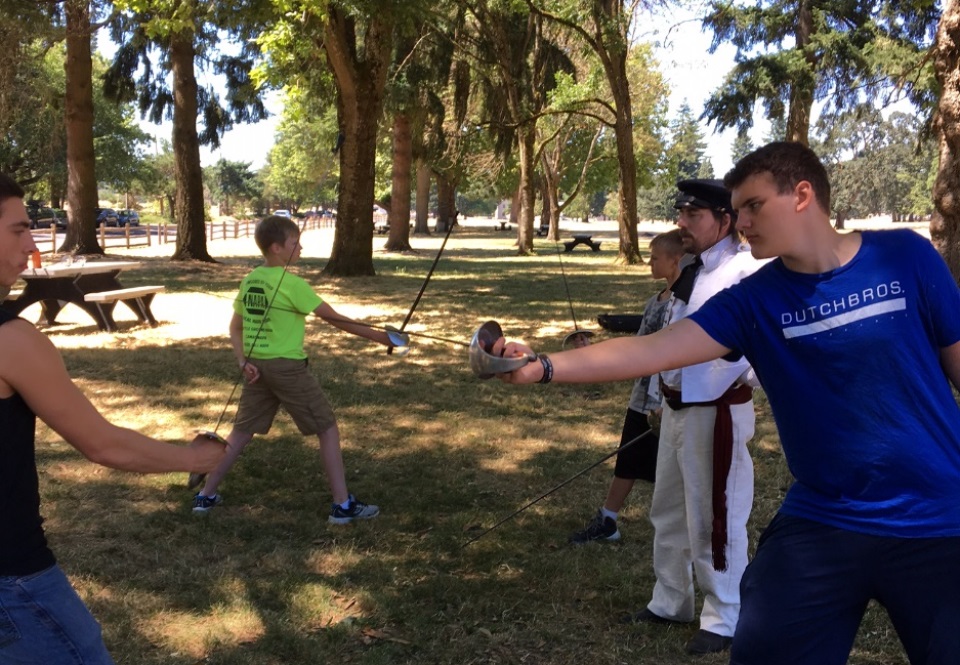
(282, 213)
(107, 216)
(128, 217)
(41, 217)
(61, 218)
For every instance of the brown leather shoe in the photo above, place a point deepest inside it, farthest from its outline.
(705, 642)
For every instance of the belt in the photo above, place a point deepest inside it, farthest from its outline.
(722, 457)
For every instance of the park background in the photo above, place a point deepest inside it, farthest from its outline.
(265, 580)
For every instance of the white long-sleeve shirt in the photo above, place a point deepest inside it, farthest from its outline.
(724, 264)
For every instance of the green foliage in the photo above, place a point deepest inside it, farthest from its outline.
(232, 183)
(798, 51)
(877, 166)
(32, 136)
(301, 168)
(141, 66)
(742, 146)
(118, 140)
(685, 157)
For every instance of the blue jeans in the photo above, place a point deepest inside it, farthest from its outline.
(805, 592)
(44, 622)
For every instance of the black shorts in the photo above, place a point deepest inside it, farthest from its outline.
(639, 461)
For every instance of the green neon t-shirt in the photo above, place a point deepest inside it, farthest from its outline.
(281, 334)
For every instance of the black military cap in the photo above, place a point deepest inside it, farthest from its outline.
(703, 193)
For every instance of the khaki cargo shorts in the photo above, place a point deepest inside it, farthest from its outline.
(287, 383)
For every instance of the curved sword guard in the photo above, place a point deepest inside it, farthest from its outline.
(399, 341)
(577, 339)
(483, 363)
(194, 480)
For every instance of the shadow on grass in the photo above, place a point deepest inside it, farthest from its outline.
(265, 580)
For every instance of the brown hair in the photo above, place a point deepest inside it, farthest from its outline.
(788, 163)
(274, 229)
(9, 189)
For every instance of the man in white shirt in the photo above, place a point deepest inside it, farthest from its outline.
(699, 522)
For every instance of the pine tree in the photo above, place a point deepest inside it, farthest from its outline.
(791, 53)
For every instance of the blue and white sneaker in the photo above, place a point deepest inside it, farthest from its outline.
(203, 504)
(358, 510)
(600, 528)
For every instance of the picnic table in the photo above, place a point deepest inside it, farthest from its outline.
(582, 239)
(92, 286)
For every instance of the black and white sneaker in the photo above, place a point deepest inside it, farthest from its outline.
(358, 510)
(599, 528)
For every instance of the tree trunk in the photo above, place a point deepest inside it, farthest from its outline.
(446, 203)
(81, 236)
(841, 219)
(188, 175)
(551, 203)
(546, 204)
(515, 207)
(527, 142)
(360, 75)
(423, 199)
(945, 228)
(802, 91)
(627, 192)
(399, 216)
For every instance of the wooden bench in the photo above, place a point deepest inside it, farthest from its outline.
(382, 228)
(582, 239)
(504, 225)
(137, 298)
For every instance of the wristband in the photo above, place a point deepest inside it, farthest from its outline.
(547, 369)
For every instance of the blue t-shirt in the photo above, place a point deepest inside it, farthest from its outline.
(850, 362)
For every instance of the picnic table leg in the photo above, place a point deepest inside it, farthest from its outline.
(49, 308)
(102, 313)
(141, 307)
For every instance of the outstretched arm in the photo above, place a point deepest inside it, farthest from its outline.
(678, 345)
(330, 315)
(32, 367)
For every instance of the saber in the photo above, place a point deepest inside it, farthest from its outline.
(563, 484)
(426, 281)
(578, 337)
(373, 326)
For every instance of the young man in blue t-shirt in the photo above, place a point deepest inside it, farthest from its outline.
(855, 338)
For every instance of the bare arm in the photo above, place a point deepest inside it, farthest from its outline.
(32, 367)
(330, 315)
(950, 359)
(679, 345)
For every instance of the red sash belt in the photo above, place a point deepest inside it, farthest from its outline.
(722, 457)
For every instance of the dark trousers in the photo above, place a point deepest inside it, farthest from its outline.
(805, 592)
(639, 461)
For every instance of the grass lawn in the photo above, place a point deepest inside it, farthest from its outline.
(265, 580)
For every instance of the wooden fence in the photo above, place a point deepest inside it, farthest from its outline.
(148, 234)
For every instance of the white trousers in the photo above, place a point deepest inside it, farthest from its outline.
(682, 512)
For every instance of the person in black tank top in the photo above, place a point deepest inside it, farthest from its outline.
(42, 619)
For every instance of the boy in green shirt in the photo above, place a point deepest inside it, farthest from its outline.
(267, 332)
